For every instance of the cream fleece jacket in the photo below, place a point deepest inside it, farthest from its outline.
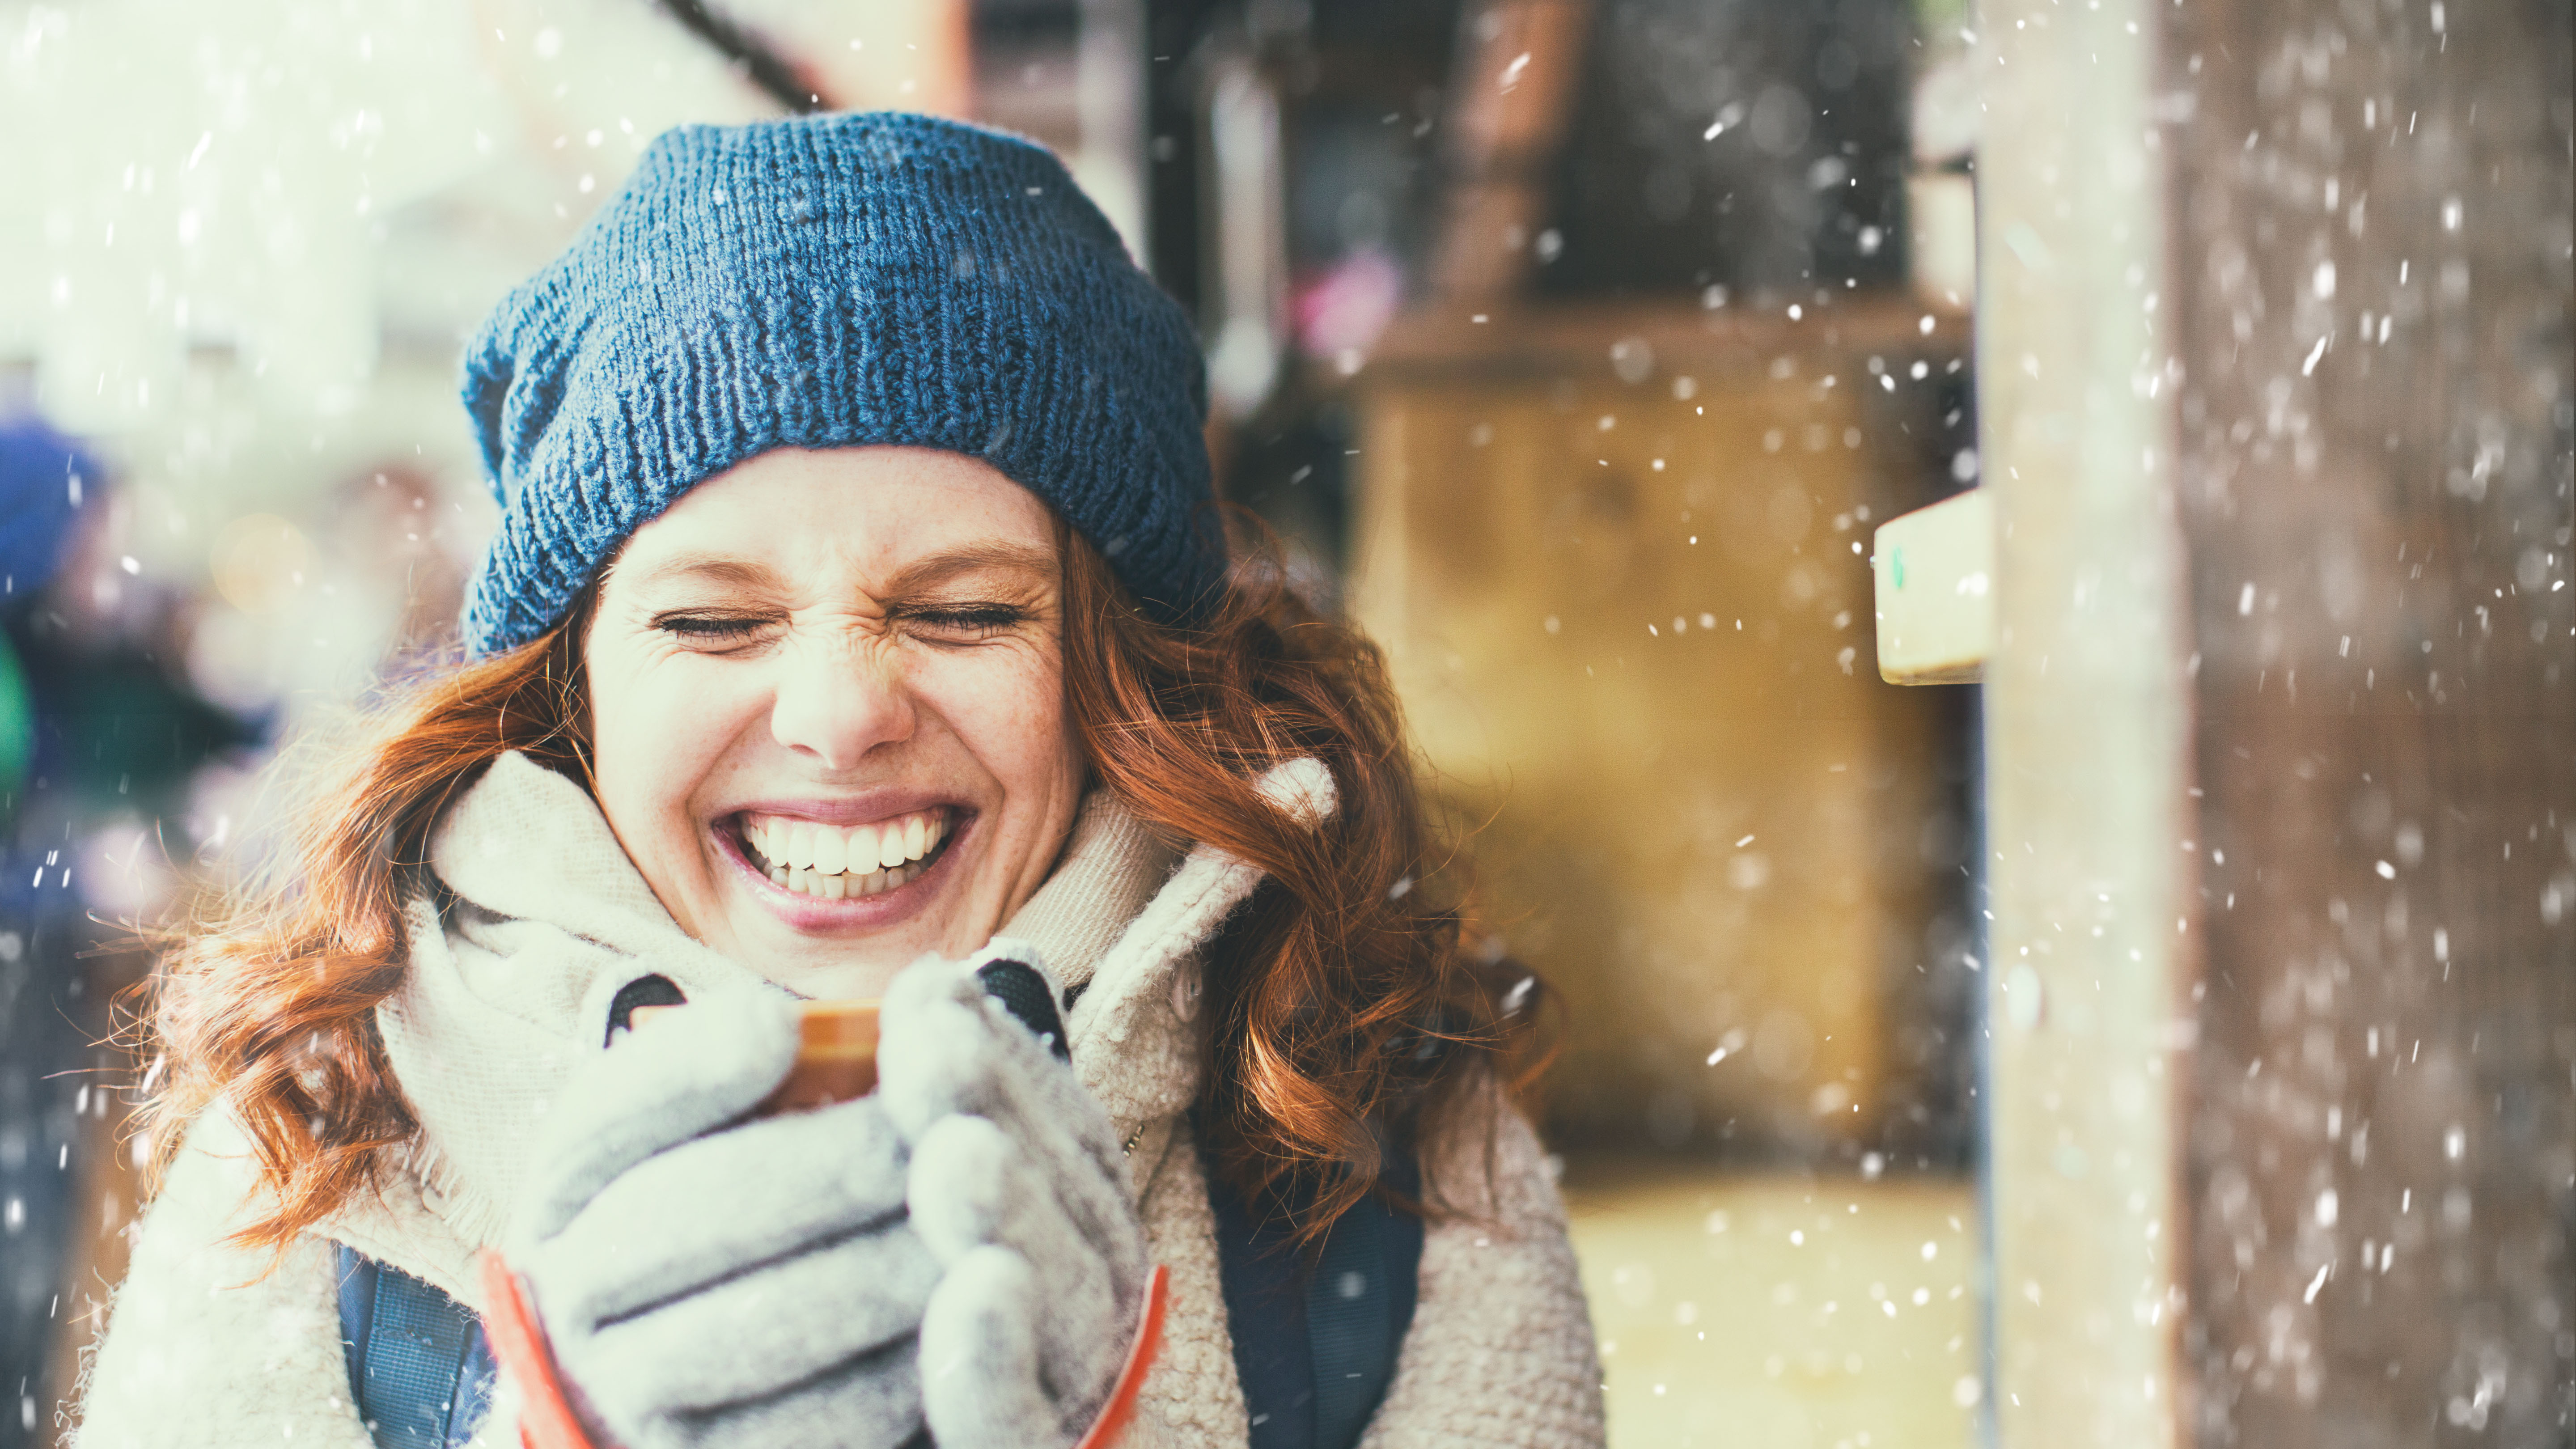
(503, 997)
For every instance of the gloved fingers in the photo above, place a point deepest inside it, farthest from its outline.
(870, 1403)
(972, 1189)
(945, 1049)
(1071, 1219)
(948, 1046)
(787, 1322)
(938, 1053)
(970, 1184)
(980, 1385)
(964, 1183)
(682, 1073)
(944, 1058)
(714, 1206)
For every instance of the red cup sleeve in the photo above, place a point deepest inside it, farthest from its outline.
(546, 1419)
(1111, 1426)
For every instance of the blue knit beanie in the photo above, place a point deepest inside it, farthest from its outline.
(829, 282)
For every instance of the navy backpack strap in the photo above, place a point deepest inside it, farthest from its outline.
(1264, 1280)
(420, 1370)
(1315, 1350)
(1359, 1304)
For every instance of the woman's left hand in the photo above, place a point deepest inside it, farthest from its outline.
(1018, 1188)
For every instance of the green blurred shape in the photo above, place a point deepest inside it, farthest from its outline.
(17, 727)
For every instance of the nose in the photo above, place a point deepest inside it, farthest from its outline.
(836, 702)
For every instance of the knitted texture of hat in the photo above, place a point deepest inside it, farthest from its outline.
(831, 282)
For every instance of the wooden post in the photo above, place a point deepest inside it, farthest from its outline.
(2087, 731)
(2279, 389)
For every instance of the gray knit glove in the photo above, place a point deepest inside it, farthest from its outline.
(1019, 1189)
(709, 1280)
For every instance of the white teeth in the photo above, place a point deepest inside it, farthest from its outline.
(835, 864)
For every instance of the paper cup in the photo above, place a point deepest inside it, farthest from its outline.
(836, 1060)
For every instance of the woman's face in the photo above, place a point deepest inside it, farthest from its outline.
(827, 710)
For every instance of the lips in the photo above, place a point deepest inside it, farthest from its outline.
(840, 862)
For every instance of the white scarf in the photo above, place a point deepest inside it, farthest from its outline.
(505, 998)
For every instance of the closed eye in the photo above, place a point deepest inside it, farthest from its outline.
(710, 628)
(976, 620)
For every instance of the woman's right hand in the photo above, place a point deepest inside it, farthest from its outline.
(710, 1279)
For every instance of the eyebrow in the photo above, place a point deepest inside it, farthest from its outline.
(921, 573)
(711, 568)
(939, 568)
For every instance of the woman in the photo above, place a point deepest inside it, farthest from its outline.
(856, 622)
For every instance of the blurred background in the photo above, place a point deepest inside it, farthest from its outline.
(1577, 348)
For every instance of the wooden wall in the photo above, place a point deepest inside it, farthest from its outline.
(2371, 214)
(1623, 579)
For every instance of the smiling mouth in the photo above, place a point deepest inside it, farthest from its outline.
(832, 862)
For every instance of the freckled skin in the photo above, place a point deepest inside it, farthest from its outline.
(788, 631)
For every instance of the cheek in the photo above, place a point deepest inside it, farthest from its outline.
(656, 731)
(1011, 717)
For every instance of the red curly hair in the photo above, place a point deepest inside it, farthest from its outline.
(1348, 1007)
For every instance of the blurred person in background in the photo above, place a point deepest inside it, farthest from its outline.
(859, 627)
(100, 737)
